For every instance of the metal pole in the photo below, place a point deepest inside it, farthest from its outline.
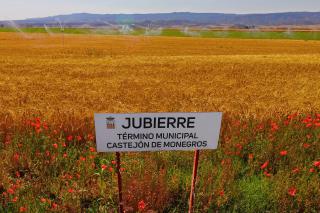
(194, 179)
(120, 206)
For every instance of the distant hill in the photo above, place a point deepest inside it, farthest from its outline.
(174, 19)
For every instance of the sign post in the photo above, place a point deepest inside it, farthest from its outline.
(157, 132)
(119, 182)
(194, 179)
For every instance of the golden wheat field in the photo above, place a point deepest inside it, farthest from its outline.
(84, 74)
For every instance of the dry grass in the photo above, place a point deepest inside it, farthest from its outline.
(87, 74)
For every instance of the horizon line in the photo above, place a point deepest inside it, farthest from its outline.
(148, 13)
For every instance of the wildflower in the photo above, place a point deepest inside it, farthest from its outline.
(309, 136)
(22, 209)
(110, 169)
(267, 174)
(65, 155)
(15, 199)
(10, 191)
(264, 165)
(308, 119)
(69, 138)
(113, 162)
(292, 191)
(274, 126)
(43, 200)
(292, 116)
(90, 137)
(16, 156)
(103, 166)
(45, 125)
(312, 170)
(250, 156)
(309, 125)
(260, 126)
(141, 205)
(221, 193)
(295, 170)
(79, 138)
(283, 153)
(70, 190)
(239, 146)
(122, 169)
(18, 174)
(54, 205)
(92, 149)
(306, 145)
(55, 146)
(317, 164)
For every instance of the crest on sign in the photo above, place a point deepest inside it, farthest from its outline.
(110, 123)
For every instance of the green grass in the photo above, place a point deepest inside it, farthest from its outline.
(296, 35)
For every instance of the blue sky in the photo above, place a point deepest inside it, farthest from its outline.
(20, 9)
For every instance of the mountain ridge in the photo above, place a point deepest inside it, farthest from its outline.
(175, 18)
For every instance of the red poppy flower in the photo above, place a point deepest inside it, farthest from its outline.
(54, 205)
(317, 164)
(295, 170)
(10, 191)
(22, 209)
(283, 153)
(292, 191)
(15, 199)
(309, 125)
(274, 126)
(267, 174)
(141, 205)
(306, 145)
(18, 174)
(16, 156)
(250, 156)
(103, 167)
(265, 164)
(221, 193)
(55, 146)
(90, 137)
(69, 138)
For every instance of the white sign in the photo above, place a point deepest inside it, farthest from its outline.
(157, 131)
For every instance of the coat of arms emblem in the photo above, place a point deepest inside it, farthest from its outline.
(110, 123)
